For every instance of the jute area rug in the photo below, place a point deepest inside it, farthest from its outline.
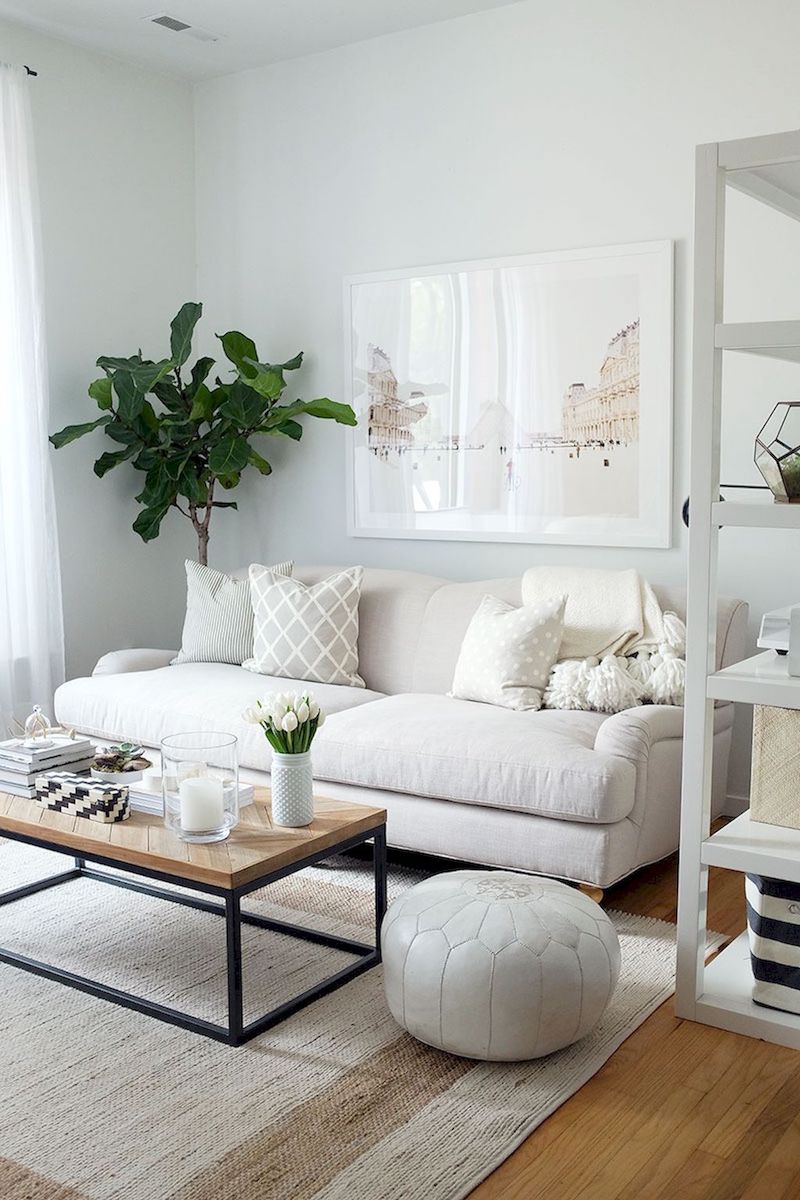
(337, 1103)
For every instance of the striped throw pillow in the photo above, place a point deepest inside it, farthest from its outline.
(219, 617)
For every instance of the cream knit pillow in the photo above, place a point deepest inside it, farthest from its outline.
(507, 653)
(303, 632)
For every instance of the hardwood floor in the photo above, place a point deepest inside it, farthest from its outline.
(680, 1111)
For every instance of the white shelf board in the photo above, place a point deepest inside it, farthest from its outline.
(762, 679)
(747, 845)
(775, 184)
(726, 1001)
(765, 151)
(771, 339)
(766, 515)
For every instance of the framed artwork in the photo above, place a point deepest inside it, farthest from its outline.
(523, 399)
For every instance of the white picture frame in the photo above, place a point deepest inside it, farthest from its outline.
(523, 399)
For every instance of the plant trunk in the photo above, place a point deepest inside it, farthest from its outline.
(201, 527)
(202, 545)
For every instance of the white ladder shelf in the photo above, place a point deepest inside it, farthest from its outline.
(719, 994)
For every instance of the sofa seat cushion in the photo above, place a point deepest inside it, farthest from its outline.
(536, 762)
(145, 706)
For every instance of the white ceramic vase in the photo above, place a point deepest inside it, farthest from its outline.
(292, 789)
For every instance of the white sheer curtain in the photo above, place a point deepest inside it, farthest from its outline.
(31, 629)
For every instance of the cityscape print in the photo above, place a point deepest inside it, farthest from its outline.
(469, 426)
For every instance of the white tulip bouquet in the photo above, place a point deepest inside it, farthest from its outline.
(290, 721)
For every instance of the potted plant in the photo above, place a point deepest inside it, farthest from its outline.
(290, 723)
(120, 764)
(188, 437)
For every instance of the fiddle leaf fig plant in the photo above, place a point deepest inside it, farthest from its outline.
(190, 437)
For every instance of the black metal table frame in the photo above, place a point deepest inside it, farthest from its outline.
(235, 1033)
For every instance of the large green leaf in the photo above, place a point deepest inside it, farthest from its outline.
(200, 372)
(124, 434)
(261, 464)
(131, 399)
(241, 351)
(100, 390)
(112, 458)
(330, 410)
(152, 492)
(243, 406)
(192, 484)
(267, 380)
(161, 483)
(145, 459)
(71, 433)
(147, 422)
(203, 404)
(146, 375)
(287, 428)
(169, 395)
(108, 363)
(230, 481)
(229, 456)
(148, 522)
(177, 434)
(182, 328)
(323, 407)
(293, 364)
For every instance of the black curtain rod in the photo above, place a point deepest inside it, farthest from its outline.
(30, 71)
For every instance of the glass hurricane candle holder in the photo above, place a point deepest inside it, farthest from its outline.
(200, 785)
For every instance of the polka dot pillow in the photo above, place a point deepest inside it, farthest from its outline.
(507, 653)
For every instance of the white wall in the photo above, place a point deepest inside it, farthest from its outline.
(115, 149)
(529, 128)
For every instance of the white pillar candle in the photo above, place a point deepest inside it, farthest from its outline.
(151, 779)
(201, 803)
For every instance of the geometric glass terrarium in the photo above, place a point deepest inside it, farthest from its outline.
(777, 452)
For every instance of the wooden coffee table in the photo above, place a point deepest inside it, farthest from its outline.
(256, 853)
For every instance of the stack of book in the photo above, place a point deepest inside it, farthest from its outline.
(20, 764)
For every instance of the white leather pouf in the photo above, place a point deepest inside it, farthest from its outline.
(498, 966)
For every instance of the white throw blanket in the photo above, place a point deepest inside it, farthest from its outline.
(607, 612)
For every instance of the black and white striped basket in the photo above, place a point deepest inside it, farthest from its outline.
(773, 924)
(80, 796)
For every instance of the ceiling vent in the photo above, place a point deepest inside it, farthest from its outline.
(177, 26)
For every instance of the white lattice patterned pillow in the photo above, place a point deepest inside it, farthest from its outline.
(306, 632)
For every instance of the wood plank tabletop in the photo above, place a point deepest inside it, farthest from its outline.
(253, 849)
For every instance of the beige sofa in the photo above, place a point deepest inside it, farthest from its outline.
(577, 795)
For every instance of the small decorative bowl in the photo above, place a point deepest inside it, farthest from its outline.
(116, 776)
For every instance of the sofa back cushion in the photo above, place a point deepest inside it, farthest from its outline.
(447, 616)
(411, 626)
(452, 606)
(390, 618)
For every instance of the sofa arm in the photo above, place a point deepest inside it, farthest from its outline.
(120, 662)
(630, 734)
(651, 737)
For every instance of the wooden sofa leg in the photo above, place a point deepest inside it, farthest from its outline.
(594, 893)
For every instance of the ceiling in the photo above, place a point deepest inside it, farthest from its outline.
(251, 32)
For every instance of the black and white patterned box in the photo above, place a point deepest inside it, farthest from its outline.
(81, 797)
